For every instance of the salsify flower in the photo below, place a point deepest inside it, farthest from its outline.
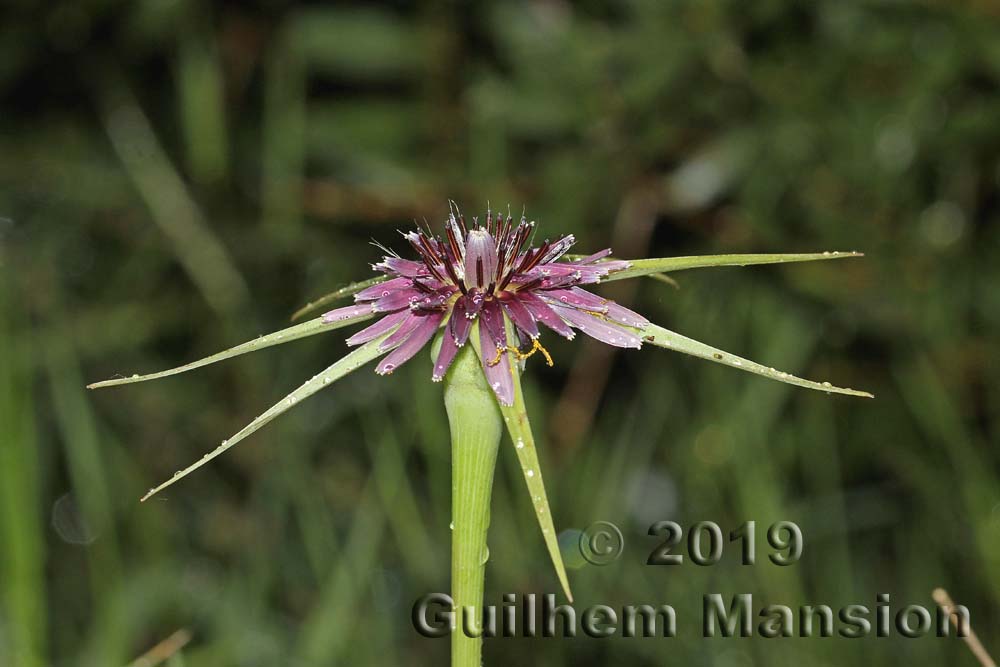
(485, 284)
(488, 274)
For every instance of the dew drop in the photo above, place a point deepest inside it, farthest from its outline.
(827, 384)
(177, 474)
(520, 443)
(529, 472)
(486, 554)
(135, 375)
(451, 526)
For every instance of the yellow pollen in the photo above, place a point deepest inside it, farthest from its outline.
(535, 347)
(500, 351)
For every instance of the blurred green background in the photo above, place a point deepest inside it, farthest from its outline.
(177, 177)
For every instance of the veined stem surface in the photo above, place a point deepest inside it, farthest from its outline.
(476, 429)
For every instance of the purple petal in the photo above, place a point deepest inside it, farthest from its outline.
(460, 322)
(581, 298)
(599, 328)
(445, 356)
(424, 331)
(558, 249)
(519, 314)
(383, 326)
(348, 312)
(436, 301)
(410, 322)
(576, 298)
(619, 313)
(402, 267)
(546, 315)
(498, 375)
(590, 259)
(473, 303)
(480, 259)
(491, 320)
(383, 289)
(397, 299)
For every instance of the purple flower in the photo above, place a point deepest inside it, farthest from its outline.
(490, 273)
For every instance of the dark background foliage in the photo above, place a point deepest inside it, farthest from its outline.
(177, 177)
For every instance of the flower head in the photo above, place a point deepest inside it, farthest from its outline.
(488, 273)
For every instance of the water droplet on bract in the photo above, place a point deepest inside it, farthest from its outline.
(520, 443)
(135, 375)
(326, 380)
(205, 455)
(529, 472)
(486, 554)
(737, 362)
(451, 526)
(826, 252)
(225, 442)
(827, 384)
(177, 474)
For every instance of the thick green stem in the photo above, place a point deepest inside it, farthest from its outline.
(476, 428)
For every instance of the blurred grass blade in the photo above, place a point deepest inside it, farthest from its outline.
(516, 418)
(674, 341)
(310, 328)
(351, 362)
(339, 293)
(645, 267)
(174, 210)
(23, 531)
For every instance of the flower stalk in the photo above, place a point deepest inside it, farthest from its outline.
(476, 429)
